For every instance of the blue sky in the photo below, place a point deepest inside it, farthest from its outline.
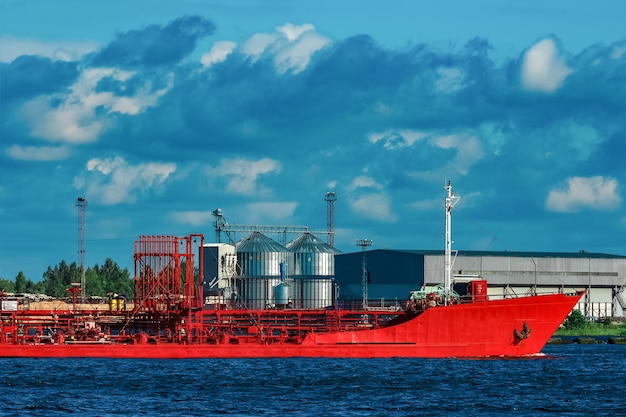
(158, 112)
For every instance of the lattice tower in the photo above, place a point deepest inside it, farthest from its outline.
(81, 203)
(330, 198)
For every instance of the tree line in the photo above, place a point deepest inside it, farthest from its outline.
(100, 280)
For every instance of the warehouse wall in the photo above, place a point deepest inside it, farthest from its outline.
(393, 273)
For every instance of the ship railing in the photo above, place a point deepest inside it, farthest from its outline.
(512, 292)
(372, 305)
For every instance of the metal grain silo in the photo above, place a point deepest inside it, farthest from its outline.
(312, 256)
(313, 271)
(259, 259)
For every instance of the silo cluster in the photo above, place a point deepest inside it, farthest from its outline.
(298, 275)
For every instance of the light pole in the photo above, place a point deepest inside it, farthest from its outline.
(364, 243)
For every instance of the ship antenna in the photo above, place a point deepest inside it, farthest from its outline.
(451, 201)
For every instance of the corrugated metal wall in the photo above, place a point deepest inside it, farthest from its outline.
(507, 275)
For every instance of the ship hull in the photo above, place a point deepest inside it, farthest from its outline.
(499, 328)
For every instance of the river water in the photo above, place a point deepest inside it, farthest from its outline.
(569, 380)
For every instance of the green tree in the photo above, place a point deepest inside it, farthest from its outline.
(35, 287)
(6, 285)
(93, 283)
(99, 280)
(20, 282)
(576, 320)
(57, 280)
(114, 279)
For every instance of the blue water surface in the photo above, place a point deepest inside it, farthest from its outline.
(569, 380)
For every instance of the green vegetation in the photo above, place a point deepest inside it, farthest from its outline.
(100, 280)
(576, 325)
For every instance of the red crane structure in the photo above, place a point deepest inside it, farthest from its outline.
(168, 287)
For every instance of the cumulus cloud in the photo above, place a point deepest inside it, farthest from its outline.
(263, 211)
(450, 80)
(78, 116)
(241, 176)
(290, 47)
(376, 206)
(218, 53)
(397, 139)
(193, 218)
(364, 182)
(367, 198)
(426, 205)
(403, 119)
(59, 50)
(543, 68)
(580, 193)
(113, 181)
(257, 44)
(467, 146)
(38, 153)
(469, 151)
(618, 52)
(155, 45)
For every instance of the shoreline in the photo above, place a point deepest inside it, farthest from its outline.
(587, 340)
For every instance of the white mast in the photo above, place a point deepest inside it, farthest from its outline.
(451, 201)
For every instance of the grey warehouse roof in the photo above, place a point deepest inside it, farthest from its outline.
(578, 255)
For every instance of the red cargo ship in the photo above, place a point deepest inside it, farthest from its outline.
(169, 319)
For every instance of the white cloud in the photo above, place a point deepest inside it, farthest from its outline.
(241, 175)
(293, 32)
(296, 55)
(264, 211)
(468, 151)
(584, 139)
(11, 48)
(594, 193)
(291, 47)
(368, 199)
(618, 52)
(38, 153)
(113, 180)
(218, 53)
(450, 80)
(426, 205)
(75, 117)
(364, 182)
(257, 44)
(194, 218)
(375, 206)
(395, 139)
(543, 68)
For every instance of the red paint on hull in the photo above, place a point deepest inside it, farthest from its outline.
(479, 329)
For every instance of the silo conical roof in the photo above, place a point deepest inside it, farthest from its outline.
(258, 242)
(308, 243)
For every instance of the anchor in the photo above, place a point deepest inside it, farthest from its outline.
(519, 336)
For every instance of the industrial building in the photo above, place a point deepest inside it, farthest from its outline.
(393, 273)
(258, 272)
(317, 275)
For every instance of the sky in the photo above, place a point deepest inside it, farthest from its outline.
(158, 112)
